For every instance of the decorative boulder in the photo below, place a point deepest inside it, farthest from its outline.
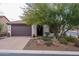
(39, 42)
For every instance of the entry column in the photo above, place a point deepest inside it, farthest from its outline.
(34, 30)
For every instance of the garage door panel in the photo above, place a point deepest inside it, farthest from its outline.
(28, 31)
(21, 30)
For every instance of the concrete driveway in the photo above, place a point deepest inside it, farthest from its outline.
(13, 43)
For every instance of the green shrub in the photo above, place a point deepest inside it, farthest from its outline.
(67, 39)
(70, 38)
(1, 27)
(47, 40)
(3, 34)
(48, 43)
(47, 34)
(63, 41)
(77, 43)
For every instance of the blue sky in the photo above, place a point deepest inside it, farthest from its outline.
(12, 10)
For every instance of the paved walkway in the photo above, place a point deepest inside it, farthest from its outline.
(13, 43)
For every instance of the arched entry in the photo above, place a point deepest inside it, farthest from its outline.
(39, 30)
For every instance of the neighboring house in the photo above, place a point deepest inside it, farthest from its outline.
(4, 21)
(19, 28)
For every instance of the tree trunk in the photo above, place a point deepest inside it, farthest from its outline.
(63, 34)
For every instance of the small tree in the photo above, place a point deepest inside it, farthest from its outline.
(1, 26)
(60, 17)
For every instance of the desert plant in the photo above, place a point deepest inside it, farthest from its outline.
(69, 38)
(47, 40)
(63, 41)
(1, 26)
(77, 43)
(3, 34)
(47, 34)
(48, 43)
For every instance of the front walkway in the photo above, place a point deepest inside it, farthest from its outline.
(13, 43)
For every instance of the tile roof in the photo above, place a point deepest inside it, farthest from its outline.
(17, 22)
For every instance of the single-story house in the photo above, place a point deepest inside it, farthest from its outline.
(19, 28)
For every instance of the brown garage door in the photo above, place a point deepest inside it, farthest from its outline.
(20, 30)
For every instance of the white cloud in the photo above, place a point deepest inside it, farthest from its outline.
(12, 10)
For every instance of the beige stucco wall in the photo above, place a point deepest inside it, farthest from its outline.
(45, 29)
(3, 21)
